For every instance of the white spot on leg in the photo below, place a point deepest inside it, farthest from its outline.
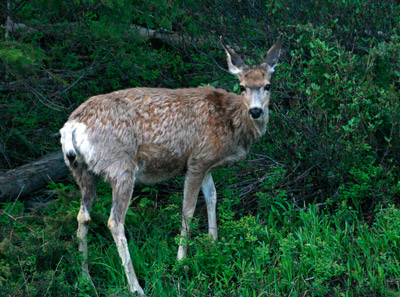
(83, 215)
(83, 220)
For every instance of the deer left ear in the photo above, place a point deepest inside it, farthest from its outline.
(273, 55)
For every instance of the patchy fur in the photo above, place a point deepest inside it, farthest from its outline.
(150, 135)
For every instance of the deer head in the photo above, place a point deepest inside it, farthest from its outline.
(254, 81)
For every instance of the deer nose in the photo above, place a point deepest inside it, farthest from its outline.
(256, 112)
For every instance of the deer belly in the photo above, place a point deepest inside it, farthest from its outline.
(231, 159)
(153, 168)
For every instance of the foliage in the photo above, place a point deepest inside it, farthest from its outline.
(304, 251)
(314, 209)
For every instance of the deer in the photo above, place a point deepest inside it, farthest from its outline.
(153, 134)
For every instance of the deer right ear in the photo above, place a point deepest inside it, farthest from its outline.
(235, 63)
(273, 55)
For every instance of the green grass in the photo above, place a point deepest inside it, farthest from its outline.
(313, 212)
(281, 252)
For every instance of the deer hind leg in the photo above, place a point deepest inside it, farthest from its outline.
(210, 195)
(122, 189)
(190, 195)
(88, 184)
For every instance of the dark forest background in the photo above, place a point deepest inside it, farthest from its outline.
(314, 209)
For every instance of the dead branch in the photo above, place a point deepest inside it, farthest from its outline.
(166, 36)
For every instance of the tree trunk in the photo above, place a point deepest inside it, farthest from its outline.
(31, 177)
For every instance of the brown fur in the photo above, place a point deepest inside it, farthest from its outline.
(154, 134)
(175, 122)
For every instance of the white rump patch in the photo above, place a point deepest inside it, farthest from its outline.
(74, 139)
(66, 139)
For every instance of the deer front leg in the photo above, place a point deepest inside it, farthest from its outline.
(191, 192)
(210, 195)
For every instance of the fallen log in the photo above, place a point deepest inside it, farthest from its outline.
(31, 177)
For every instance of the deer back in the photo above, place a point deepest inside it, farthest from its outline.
(163, 131)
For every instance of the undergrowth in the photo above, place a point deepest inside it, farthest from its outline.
(285, 251)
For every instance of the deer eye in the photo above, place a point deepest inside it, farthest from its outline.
(267, 87)
(242, 89)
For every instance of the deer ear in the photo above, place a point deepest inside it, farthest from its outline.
(235, 63)
(273, 55)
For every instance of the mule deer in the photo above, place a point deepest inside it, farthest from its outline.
(153, 134)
